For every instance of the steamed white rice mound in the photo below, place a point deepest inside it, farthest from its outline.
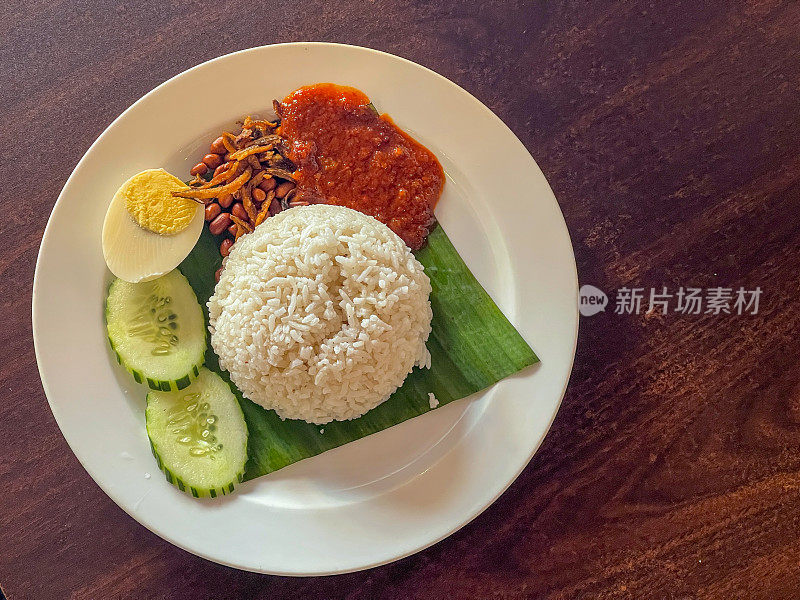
(320, 314)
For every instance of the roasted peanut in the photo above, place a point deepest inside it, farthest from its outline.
(199, 169)
(218, 146)
(212, 211)
(268, 184)
(226, 200)
(274, 207)
(233, 229)
(225, 246)
(259, 195)
(220, 224)
(212, 161)
(217, 274)
(238, 210)
(283, 189)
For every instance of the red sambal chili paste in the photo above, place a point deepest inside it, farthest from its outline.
(348, 155)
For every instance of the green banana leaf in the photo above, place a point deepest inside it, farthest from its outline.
(472, 346)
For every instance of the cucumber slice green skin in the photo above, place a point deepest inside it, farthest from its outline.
(177, 428)
(197, 492)
(173, 385)
(140, 373)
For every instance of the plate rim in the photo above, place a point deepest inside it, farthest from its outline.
(466, 518)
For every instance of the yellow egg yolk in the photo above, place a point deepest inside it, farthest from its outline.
(149, 200)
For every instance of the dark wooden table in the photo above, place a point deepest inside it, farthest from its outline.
(669, 132)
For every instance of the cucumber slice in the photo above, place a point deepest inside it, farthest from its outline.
(199, 436)
(156, 330)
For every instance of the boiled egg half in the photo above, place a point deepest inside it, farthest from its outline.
(148, 231)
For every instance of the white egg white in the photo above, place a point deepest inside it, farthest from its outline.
(136, 254)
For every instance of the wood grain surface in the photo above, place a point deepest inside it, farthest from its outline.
(669, 132)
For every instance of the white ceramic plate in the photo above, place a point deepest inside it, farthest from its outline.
(375, 500)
